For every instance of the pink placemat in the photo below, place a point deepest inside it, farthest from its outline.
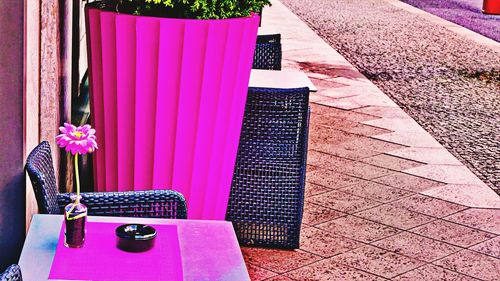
(100, 259)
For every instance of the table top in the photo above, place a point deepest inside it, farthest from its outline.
(196, 238)
(282, 79)
(265, 30)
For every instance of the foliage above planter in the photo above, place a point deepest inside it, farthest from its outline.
(190, 9)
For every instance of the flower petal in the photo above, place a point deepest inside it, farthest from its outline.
(85, 128)
(74, 139)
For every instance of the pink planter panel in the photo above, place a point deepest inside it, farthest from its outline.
(167, 101)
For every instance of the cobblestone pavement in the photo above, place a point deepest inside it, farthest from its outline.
(467, 13)
(448, 84)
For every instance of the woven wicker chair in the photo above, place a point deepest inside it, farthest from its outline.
(12, 273)
(268, 52)
(152, 204)
(267, 192)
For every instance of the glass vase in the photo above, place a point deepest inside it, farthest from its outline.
(75, 216)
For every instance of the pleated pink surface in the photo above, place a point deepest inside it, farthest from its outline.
(167, 101)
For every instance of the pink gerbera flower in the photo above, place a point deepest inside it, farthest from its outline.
(79, 140)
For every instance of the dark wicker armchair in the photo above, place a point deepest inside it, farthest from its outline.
(12, 273)
(152, 204)
(267, 193)
(268, 52)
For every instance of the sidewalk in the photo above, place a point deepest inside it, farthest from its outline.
(442, 76)
(384, 200)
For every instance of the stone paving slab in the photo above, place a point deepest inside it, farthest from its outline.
(375, 209)
(472, 263)
(452, 233)
(433, 273)
(436, 156)
(466, 194)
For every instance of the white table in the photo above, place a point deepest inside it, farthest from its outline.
(282, 79)
(267, 31)
(196, 239)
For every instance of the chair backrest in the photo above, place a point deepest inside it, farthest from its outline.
(274, 124)
(12, 273)
(267, 192)
(40, 169)
(166, 204)
(267, 53)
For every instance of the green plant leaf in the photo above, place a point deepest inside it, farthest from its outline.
(196, 9)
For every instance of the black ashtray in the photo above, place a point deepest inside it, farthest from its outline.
(135, 237)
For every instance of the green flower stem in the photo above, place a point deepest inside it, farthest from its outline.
(77, 180)
(77, 201)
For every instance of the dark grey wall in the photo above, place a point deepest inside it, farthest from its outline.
(12, 191)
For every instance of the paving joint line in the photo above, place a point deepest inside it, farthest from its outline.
(433, 263)
(446, 218)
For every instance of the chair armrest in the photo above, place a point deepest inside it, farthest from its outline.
(151, 204)
(12, 273)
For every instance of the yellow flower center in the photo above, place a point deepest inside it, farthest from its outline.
(78, 135)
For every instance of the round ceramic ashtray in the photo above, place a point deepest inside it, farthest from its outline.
(135, 237)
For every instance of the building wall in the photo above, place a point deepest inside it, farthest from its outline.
(42, 82)
(12, 190)
(36, 74)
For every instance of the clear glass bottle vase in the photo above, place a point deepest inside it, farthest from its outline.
(75, 216)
